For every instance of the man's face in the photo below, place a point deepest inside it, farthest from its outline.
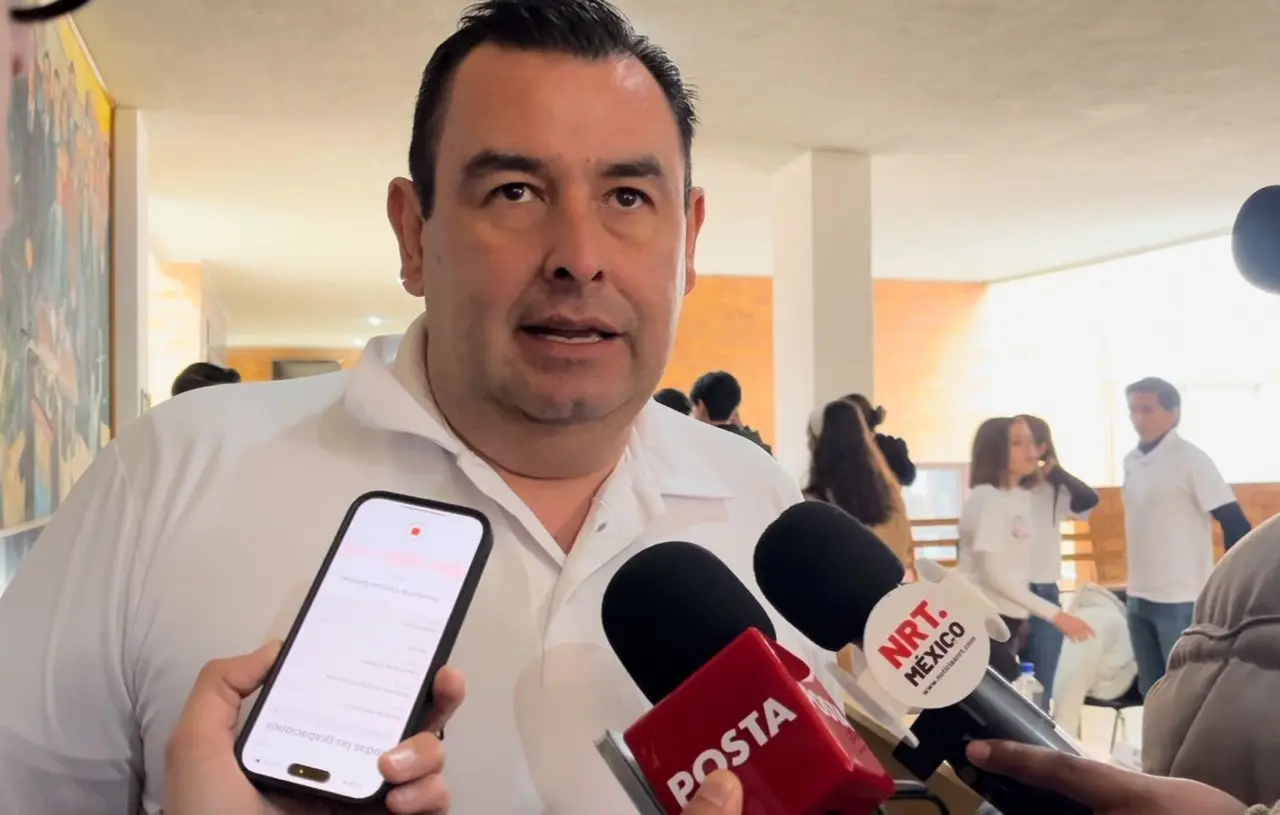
(559, 248)
(1149, 418)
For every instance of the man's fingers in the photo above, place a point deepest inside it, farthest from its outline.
(214, 704)
(429, 794)
(223, 684)
(1092, 783)
(416, 757)
(720, 794)
(447, 693)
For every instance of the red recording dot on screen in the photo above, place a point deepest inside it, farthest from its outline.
(415, 531)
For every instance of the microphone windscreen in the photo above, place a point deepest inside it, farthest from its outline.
(670, 609)
(824, 571)
(1255, 239)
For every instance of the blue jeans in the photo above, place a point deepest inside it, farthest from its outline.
(1044, 640)
(1154, 628)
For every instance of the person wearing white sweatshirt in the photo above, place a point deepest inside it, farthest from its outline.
(1103, 667)
(995, 548)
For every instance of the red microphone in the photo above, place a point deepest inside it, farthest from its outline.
(727, 697)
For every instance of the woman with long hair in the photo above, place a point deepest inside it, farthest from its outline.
(847, 470)
(892, 449)
(1056, 496)
(995, 535)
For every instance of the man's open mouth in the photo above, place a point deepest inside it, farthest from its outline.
(570, 334)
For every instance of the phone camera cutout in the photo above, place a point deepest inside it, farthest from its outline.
(415, 531)
(309, 773)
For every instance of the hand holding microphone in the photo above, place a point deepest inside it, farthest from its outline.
(203, 778)
(1106, 790)
(726, 697)
(720, 794)
(926, 646)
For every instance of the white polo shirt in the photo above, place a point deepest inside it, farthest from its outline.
(197, 533)
(1169, 494)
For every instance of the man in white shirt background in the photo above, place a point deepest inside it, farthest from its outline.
(1172, 492)
(1102, 667)
(550, 225)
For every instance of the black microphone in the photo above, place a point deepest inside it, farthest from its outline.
(701, 647)
(670, 609)
(824, 572)
(1255, 239)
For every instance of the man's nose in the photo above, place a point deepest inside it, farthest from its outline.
(577, 243)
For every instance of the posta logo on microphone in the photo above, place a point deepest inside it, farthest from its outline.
(734, 749)
(927, 645)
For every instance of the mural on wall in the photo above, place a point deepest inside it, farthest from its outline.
(55, 282)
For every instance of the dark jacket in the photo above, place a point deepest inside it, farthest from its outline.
(747, 433)
(895, 455)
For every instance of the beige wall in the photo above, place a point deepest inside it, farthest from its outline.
(185, 323)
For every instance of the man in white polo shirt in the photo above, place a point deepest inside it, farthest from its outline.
(1172, 491)
(550, 225)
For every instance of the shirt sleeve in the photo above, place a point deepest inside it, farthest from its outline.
(989, 522)
(68, 739)
(1208, 486)
(996, 580)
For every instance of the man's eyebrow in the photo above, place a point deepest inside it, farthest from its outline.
(640, 167)
(487, 162)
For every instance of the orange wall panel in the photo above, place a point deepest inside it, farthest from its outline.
(727, 325)
(254, 364)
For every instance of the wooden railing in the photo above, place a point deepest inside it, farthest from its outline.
(1081, 550)
(1099, 546)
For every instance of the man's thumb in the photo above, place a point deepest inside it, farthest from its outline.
(720, 794)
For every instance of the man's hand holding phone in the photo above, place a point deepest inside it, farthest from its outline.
(203, 777)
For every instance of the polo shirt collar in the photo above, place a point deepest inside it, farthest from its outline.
(1169, 441)
(388, 390)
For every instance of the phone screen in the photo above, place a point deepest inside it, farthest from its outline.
(349, 680)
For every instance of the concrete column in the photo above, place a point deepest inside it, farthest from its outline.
(822, 297)
(130, 256)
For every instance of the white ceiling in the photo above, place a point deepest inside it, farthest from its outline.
(1010, 136)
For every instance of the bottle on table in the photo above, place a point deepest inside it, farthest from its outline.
(1029, 686)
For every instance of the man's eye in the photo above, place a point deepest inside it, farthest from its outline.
(628, 198)
(514, 193)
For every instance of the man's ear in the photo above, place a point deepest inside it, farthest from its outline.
(696, 214)
(405, 214)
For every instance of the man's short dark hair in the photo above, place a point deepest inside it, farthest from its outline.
(590, 29)
(719, 393)
(202, 375)
(675, 399)
(1164, 391)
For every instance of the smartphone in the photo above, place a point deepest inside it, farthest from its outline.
(354, 677)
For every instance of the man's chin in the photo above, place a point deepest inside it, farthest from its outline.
(568, 409)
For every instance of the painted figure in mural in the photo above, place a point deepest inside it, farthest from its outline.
(54, 277)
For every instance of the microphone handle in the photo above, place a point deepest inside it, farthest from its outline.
(995, 710)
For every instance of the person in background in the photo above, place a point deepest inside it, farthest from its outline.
(675, 399)
(846, 469)
(716, 397)
(995, 535)
(1214, 717)
(202, 375)
(1102, 667)
(1056, 496)
(892, 448)
(1172, 490)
